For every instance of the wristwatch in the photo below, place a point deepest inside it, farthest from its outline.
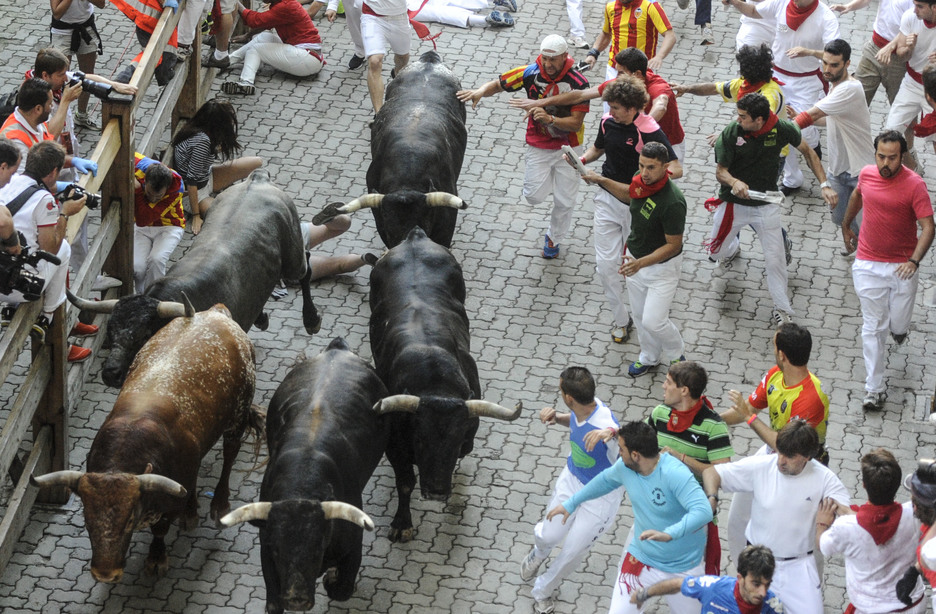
(825, 184)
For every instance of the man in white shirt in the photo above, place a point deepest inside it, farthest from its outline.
(384, 23)
(850, 145)
(787, 489)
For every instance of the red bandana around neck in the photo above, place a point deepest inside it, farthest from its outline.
(926, 126)
(744, 606)
(639, 189)
(795, 16)
(552, 84)
(679, 421)
(881, 521)
(767, 127)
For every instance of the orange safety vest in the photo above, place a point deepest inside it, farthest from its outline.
(15, 131)
(145, 14)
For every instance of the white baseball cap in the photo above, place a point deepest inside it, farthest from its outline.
(553, 45)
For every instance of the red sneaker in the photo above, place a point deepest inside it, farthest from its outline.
(78, 354)
(83, 330)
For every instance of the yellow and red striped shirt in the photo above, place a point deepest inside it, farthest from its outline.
(634, 24)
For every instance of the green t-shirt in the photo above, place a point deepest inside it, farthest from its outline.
(755, 161)
(705, 440)
(653, 218)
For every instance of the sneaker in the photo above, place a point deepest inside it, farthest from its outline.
(212, 62)
(873, 401)
(183, 52)
(550, 250)
(725, 262)
(778, 317)
(83, 330)
(355, 62)
(78, 354)
(620, 334)
(84, 121)
(901, 338)
(787, 190)
(506, 5)
(207, 24)
(209, 41)
(578, 42)
(499, 20)
(637, 368)
(682, 358)
(544, 606)
(708, 37)
(40, 329)
(236, 87)
(530, 565)
(787, 247)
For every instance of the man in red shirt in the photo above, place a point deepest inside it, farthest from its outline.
(160, 221)
(893, 201)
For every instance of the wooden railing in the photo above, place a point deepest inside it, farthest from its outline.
(44, 399)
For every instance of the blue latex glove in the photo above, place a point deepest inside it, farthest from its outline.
(84, 166)
(172, 4)
(61, 185)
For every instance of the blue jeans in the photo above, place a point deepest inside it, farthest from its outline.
(844, 184)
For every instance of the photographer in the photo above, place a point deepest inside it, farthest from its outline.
(9, 162)
(42, 223)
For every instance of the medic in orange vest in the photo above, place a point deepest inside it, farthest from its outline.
(145, 14)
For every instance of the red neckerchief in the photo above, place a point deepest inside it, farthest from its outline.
(744, 606)
(639, 189)
(747, 87)
(795, 16)
(929, 24)
(679, 421)
(767, 127)
(552, 85)
(881, 521)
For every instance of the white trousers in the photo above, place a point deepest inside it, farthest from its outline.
(379, 33)
(579, 533)
(802, 93)
(678, 603)
(268, 48)
(152, 247)
(576, 25)
(546, 172)
(908, 104)
(53, 290)
(190, 19)
(611, 229)
(766, 222)
(651, 291)
(798, 585)
(886, 307)
(353, 18)
(451, 13)
(755, 32)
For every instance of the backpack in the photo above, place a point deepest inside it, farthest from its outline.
(7, 104)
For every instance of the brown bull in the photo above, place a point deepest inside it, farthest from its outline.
(191, 384)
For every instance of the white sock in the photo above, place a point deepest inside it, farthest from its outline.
(476, 21)
(220, 55)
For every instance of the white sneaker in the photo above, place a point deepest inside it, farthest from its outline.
(708, 37)
(873, 401)
(578, 42)
(530, 565)
(544, 606)
(778, 317)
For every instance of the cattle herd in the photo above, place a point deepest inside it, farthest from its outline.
(181, 355)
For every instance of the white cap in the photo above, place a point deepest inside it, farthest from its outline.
(553, 45)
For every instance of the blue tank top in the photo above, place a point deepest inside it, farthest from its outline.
(586, 465)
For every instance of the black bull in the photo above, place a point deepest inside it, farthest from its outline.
(417, 146)
(422, 350)
(251, 238)
(325, 441)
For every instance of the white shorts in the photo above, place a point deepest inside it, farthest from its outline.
(379, 33)
(63, 43)
(227, 6)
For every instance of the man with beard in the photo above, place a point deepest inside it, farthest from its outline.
(548, 129)
(893, 201)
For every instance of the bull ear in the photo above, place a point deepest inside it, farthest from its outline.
(398, 402)
(492, 410)
(92, 306)
(247, 513)
(444, 199)
(68, 479)
(160, 484)
(345, 511)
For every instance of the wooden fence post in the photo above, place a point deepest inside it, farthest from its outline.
(117, 191)
(53, 407)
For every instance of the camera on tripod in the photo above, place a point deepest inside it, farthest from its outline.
(14, 276)
(73, 191)
(100, 90)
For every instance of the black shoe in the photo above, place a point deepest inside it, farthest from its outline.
(40, 329)
(356, 61)
(818, 150)
(393, 73)
(901, 338)
(787, 190)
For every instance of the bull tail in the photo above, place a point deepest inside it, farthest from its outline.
(256, 428)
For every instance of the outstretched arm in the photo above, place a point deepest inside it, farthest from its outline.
(474, 96)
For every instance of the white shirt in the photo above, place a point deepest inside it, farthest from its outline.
(78, 12)
(40, 210)
(887, 21)
(925, 43)
(872, 571)
(849, 128)
(819, 28)
(783, 514)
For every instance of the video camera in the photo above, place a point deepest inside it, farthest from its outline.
(100, 90)
(73, 191)
(13, 275)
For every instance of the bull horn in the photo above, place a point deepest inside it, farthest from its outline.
(92, 306)
(246, 513)
(170, 309)
(154, 483)
(346, 511)
(68, 479)
(397, 402)
(478, 409)
(368, 201)
(444, 199)
(189, 309)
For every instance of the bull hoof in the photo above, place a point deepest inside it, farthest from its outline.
(329, 213)
(331, 576)
(263, 321)
(188, 522)
(315, 325)
(218, 512)
(402, 535)
(156, 566)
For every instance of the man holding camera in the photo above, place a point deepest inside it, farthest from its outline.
(9, 162)
(37, 215)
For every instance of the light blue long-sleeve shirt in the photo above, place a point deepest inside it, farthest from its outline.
(668, 500)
